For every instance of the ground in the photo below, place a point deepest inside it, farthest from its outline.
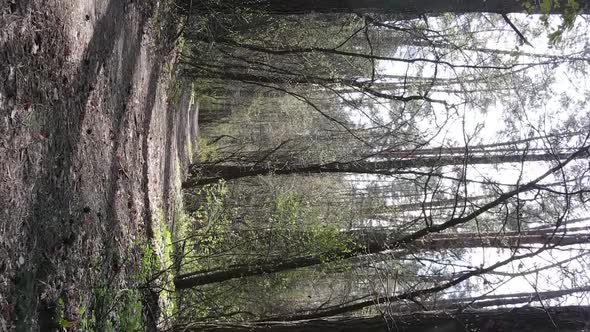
(95, 134)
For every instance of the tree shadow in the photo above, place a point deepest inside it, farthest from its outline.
(59, 205)
(149, 103)
(184, 139)
(194, 127)
(176, 145)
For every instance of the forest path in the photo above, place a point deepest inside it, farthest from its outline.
(89, 147)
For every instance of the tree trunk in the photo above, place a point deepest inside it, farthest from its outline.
(376, 241)
(200, 278)
(568, 318)
(486, 301)
(383, 167)
(408, 8)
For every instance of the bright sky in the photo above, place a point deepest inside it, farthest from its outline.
(550, 113)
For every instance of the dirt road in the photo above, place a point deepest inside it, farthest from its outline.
(88, 153)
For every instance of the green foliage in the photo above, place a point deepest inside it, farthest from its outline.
(277, 120)
(87, 321)
(162, 262)
(207, 150)
(266, 219)
(329, 239)
(294, 226)
(212, 215)
(183, 224)
(571, 10)
(206, 91)
(205, 230)
(162, 240)
(306, 233)
(111, 309)
(131, 316)
(568, 17)
(149, 262)
(287, 210)
(59, 313)
(102, 306)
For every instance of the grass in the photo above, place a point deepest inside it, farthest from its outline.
(101, 307)
(131, 315)
(117, 308)
(158, 261)
(86, 322)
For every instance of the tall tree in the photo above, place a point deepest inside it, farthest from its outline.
(363, 166)
(414, 7)
(377, 241)
(534, 319)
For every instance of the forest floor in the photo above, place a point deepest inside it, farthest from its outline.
(95, 135)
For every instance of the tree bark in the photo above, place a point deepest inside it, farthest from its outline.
(383, 167)
(567, 318)
(408, 8)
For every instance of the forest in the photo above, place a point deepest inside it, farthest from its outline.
(337, 165)
(382, 166)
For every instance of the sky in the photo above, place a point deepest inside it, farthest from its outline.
(538, 115)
